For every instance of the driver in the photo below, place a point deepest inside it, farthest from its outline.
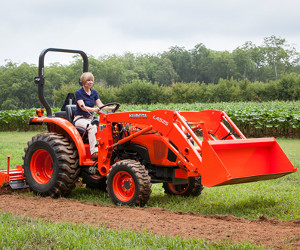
(86, 99)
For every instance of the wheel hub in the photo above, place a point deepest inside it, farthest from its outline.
(126, 185)
(123, 185)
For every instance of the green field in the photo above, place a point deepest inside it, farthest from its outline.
(277, 199)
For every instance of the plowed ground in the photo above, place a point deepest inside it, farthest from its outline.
(216, 228)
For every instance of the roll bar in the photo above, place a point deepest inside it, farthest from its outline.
(40, 79)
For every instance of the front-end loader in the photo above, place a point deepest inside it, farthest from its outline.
(184, 150)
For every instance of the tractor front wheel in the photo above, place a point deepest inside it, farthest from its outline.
(192, 188)
(128, 183)
(51, 165)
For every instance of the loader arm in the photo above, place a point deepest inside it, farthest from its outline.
(165, 122)
(214, 123)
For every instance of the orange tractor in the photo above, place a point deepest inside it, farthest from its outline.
(182, 150)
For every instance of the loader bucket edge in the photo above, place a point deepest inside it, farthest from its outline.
(253, 178)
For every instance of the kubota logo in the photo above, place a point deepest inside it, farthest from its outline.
(160, 120)
(138, 116)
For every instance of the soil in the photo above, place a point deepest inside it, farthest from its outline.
(267, 232)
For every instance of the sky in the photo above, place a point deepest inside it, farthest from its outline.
(139, 26)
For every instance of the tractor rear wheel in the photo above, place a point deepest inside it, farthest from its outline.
(128, 183)
(51, 165)
(193, 188)
(94, 181)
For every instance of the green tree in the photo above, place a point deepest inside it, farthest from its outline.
(143, 67)
(244, 64)
(112, 71)
(182, 62)
(222, 66)
(165, 74)
(201, 63)
(17, 85)
(279, 54)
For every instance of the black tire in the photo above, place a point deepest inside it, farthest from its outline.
(193, 188)
(128, 183)
(51, 165)
(94, 181)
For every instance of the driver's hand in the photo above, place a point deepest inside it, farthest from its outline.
(98, 111)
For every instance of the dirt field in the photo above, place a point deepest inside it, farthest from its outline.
(269, 233)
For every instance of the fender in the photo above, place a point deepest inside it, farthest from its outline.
(68, 127)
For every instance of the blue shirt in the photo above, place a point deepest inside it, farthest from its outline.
(89, 100)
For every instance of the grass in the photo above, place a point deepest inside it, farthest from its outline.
(19, 232)
(13, 144)
(277, 199)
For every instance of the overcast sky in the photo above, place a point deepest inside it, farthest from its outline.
(140, 26)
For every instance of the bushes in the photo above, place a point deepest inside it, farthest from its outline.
(230, 90)
(288, 88)
(137, 92)
(227, 90)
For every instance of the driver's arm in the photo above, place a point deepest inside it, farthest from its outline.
(100, 104)
(86, 108)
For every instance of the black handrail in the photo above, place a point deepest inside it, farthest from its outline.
(40, 79)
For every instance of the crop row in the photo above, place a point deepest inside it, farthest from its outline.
(253, 119)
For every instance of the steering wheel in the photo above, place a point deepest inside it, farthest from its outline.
(111, 104)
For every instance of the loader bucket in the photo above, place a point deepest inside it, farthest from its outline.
(240, 161)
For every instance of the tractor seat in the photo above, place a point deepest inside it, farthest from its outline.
(70, 113)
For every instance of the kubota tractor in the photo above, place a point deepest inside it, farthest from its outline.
(182, 150)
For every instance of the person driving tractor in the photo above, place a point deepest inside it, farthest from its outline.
(86, 99)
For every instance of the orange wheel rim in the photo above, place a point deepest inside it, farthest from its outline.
(123, 186)
(178, 189)
(41, 166)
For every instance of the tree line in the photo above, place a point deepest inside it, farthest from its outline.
(250, 72)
